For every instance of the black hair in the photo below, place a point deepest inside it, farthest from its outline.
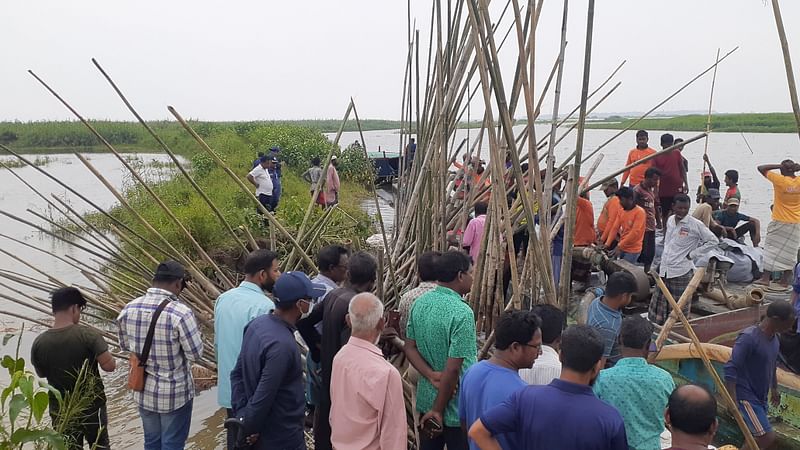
(515, 326)
(641, 133)
(329, 257)
(480, 208)
(524, 167)
(651, 171)
(691, 414)
(552, 322)
(620, 283)
(285, 306)
(450, 264)
(62, 298)
(781, 310)
(625, 192)
(581, 348)
(260, 154)
(427, 266)
(315, 161)
(681, 198)
(636, 332)
(667, 140)
(677, 141)
(259, 260)
(362, 268)
(733, 175)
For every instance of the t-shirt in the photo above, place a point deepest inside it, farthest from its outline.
(752, 365)
(671, 166)
(631, 226)
(262, 178)
(786, 199)
(646, 198)
(729, 220)
(561, 415)
(733, 192)
(59, 354)
(607, 322)
(637, 173)
(473, 236)
(610, 210)
(703, 213)
(486, 385)
(584, 223)
(443, 326)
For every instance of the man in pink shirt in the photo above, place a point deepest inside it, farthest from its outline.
(367, 407)
(332, 183)
(473, 235)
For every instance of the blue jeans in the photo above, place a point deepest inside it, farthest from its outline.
(632, 258)
(166, 431)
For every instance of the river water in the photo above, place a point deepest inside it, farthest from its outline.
(726, 150)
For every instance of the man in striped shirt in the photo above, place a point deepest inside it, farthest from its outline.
(165, 404)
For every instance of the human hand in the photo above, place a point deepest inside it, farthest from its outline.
(775, 398)
(250, 440)
(431, 424)
(705, 157)
(615, 253)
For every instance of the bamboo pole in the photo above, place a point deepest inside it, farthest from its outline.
(732, 407)
(710, 104)
(685, 298)
(787, 62)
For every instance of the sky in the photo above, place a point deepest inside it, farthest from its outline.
(304, 59)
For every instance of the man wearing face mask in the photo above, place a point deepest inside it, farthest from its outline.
(165, 404)
(234, 309)
(267, 382)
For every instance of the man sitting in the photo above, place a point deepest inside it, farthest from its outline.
(705, 211)
(729, 218)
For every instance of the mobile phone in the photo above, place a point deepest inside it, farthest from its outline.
(393, 319)
(433, 425)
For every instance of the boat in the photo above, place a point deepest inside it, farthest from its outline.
(387, 165)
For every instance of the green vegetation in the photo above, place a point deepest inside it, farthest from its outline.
(734, 123)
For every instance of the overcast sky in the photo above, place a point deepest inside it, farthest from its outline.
(303, 59)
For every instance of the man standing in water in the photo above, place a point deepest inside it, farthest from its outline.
(165, 404)
(783, 233)
(642, 150)
(233, 310)
(751, 372)
(60, 353)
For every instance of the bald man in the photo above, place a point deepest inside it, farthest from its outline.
(367, 406)
(691, 416)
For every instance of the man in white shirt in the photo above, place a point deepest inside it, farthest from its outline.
(684, 234)
(260, 178)
(547, 366)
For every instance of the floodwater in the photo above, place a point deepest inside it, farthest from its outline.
(726, 150)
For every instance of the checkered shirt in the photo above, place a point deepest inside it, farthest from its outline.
(176, 343)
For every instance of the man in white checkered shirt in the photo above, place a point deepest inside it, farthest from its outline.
(165, 405)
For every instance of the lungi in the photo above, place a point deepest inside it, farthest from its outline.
(660, 308)
(781, 246)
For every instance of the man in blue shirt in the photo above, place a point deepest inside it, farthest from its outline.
(730, 217)
(637, 389)
(605, 313)
(233, 310)
(751, 371)
(491, 382)
(267, 382)
(562, 415)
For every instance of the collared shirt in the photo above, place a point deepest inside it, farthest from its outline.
(262, 178)
(752, 365)
(233, 310)
(443, 326)
(408, 299)
(640, 392)
(646, 198)
(267, 384)
(485, 385)
(367, 407)
(335, 331)
(177, 342)
(561, 415)
(679, 240)
(329, 286)
(473, 236)
(607, 322)
(546, 368)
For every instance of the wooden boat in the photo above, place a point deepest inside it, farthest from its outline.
(387, 165)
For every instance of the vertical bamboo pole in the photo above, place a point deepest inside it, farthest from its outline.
(787, 62)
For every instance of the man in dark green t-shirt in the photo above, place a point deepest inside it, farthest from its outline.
(730, 217)
(59, 354)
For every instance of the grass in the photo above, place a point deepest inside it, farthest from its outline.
(734, 123)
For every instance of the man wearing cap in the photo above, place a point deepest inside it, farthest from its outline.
(729, 218)
(260, 178)
(267, 382)
(233, 310)
(704, 211)
(165, 404)
(332, 183)
(710, 180)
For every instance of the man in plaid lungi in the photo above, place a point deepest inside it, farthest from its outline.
(684, 233)
(165, 404)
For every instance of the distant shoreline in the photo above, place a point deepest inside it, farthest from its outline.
(729, 123)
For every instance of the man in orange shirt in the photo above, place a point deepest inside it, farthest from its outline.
(629, 225)
(611, 208)
(641, 151)
(584, 236)
(783, 233)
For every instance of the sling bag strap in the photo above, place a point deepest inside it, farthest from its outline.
(148, 341)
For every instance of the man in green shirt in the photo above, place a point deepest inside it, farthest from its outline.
(59, 355)
(637, 389)
(441, 344)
